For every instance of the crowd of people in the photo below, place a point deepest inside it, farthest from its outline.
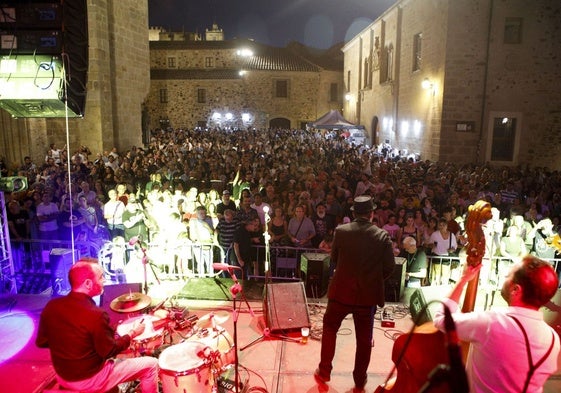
(201, 186)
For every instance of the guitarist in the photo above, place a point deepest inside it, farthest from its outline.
(512, 349)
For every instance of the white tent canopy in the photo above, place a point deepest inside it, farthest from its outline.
(332, 120)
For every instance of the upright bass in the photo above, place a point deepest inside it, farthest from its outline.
(417, 354)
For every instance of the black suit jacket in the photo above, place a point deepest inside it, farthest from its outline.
(363, 258)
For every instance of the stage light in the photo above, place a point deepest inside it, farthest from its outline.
(13, 184)
(245, 52)
(426, 84)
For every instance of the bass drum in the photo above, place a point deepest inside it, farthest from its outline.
(184, 368)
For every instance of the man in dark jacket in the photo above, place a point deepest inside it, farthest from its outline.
(363, 257)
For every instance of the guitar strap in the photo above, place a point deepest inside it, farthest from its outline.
(531, 365)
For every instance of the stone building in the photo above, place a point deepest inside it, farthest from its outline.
(241, 83)
(461, 80)
(118, 80)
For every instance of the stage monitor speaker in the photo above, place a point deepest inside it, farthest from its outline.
(110, 292)
(315, 271)
(552, 312)
(60, 262)
(286, 307)
(393, 286)
(425, 301)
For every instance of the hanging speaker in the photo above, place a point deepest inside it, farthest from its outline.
(286, 307)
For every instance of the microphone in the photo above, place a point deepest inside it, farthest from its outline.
(457, 378)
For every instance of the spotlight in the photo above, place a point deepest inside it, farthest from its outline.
(13, 184)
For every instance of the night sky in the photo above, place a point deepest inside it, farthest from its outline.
(316, 23)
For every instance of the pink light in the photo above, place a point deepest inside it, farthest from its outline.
(17, 330)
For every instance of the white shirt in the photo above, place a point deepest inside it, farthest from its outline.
(442, 245)
(497, 360)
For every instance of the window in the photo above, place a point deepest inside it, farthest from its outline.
(366, 73)
(348, 81)
(209, 63)
(504, 136)
(513, 31)
(386, 70)
(172, 62)
(417, 53)
(281, 88)
(163, 96)
(201, 96)
(333, 92)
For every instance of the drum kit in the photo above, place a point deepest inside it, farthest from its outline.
(205, 349)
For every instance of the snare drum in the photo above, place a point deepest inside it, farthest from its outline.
(217, 339)
(183, 369)
(149, 340)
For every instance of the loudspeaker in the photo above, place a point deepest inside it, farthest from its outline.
(425, 300)
(286, 307)
(552, 312)
(315, 270)
(393, 286)
(76, 51)
(110, 292)
(46, 58)
(60, 262)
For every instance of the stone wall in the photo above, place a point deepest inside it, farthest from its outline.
(253, 93)
(475, 77)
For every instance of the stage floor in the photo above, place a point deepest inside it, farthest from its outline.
(277, 363)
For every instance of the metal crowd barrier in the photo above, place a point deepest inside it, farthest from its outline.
(285, 261)
(443, 270)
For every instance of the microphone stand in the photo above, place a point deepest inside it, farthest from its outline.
(267, 238)
(234, 290)
(266, 330)
(144, 265)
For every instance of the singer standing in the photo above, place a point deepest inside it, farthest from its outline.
(82, 343)
(506, 344)
(363, 258)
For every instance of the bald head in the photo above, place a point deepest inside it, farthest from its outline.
(86, 277)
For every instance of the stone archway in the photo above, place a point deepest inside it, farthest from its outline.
(279, 122)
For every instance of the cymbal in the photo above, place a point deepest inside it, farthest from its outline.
(213, 318)
(130, 302)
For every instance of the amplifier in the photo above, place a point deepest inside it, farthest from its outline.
(395, 284)
(314, 268)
